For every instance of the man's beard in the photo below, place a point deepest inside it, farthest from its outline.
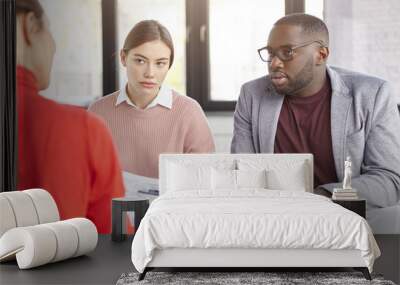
(304, 77)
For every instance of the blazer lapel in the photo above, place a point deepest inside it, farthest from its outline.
(340, 106)
(270, 108)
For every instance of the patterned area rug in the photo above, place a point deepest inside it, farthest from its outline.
(273, 278)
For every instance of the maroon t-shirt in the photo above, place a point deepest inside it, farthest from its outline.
(304, 126)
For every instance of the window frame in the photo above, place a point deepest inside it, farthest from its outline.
(109, 43)
(197, 50)
(197, 53)
(8, 108)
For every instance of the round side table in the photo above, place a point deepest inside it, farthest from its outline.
(138, 205)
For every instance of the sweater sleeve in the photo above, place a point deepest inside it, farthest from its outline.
(106, 177)
(198, 138)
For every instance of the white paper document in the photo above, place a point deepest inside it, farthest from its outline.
(135, 183)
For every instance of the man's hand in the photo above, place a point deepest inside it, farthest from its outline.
(323, 192)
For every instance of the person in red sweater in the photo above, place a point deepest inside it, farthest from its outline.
(62, 149)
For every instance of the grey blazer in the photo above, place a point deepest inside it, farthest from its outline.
(365, 124)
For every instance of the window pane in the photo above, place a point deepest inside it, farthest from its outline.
(76, 75)
(169, 13)
(237, 29)
(315, 8)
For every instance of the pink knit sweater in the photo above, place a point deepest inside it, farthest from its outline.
(141, 135)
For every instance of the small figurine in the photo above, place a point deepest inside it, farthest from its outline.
(347, 174)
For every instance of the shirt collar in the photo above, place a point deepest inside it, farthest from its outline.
(163, 98)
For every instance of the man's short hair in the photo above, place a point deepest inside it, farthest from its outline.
(310, 25)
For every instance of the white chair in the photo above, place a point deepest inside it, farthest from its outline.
(31, 231)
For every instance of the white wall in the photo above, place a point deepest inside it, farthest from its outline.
(221, 124)
(76, 76)
(365, 37)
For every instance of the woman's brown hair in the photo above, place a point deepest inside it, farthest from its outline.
(26, 6)
(147, 31)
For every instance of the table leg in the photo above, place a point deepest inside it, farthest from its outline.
(117, 222)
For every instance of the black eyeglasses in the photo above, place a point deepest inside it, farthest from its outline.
(285, 53)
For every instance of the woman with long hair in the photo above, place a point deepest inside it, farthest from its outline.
(146, 117)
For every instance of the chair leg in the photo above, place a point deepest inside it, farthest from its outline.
(364, 271)
(142, 275)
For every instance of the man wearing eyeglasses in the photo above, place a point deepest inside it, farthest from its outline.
(305, 106)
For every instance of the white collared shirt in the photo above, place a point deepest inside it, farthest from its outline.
(163, 98)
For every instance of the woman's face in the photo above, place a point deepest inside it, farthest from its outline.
(146, 67)
(44, 50)
(38, 47)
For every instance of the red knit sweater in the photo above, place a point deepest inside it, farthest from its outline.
(68, 152)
